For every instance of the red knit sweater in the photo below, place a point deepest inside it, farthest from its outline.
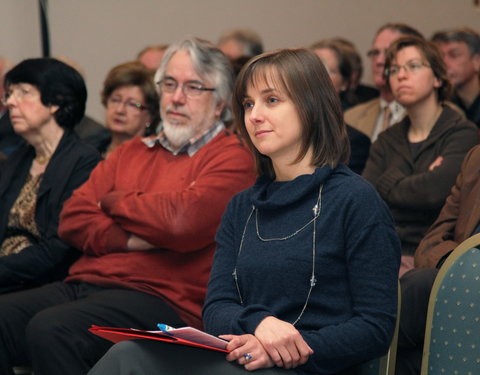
(174, 202)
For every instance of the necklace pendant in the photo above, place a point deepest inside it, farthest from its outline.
(42, 159)
(313, 281)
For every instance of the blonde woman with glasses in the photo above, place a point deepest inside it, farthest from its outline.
(132, 105)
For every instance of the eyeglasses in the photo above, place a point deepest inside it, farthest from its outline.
(375, 52)
(411, 67)
(189, 88)
(20, 92)
(129, 104)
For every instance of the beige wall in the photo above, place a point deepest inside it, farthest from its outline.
(99, 34)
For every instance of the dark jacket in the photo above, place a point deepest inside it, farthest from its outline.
(359, 148)
(415, 194)
(50, 258)
(459, 217)
(472, 112)
(9, 140)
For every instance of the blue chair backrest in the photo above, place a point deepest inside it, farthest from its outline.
(452, 336)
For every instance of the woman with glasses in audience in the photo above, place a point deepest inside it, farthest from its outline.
(297, 285)
(414, 163)
(132, 105)
(46, 99)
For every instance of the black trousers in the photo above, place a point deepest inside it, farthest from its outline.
(146, 357)
(47, 327)
(416, 286)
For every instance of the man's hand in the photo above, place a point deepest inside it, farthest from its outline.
(135, 243)
(283, 343)
(247, 351)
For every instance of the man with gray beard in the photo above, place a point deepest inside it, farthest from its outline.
(193, 102)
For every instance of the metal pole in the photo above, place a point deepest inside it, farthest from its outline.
(43, 7)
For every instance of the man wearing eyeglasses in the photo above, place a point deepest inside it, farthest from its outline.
(190, 107)
(460, 48)
(145, 223)
(376, 115)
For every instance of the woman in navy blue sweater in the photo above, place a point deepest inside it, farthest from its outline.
(304, 279)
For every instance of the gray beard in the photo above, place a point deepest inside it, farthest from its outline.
(178, 135)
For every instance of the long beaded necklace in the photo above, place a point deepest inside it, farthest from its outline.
(316, 213)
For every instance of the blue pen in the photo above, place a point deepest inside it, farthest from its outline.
(165, 328)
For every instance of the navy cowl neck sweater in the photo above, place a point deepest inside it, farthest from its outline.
(350, 315)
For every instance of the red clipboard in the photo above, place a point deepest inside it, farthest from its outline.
(182, 336)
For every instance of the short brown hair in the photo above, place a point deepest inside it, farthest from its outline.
(355, 59)
(134, 74)
(343, 58)
(303, 77)
(433, 56)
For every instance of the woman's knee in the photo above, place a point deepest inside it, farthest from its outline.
(123, 358)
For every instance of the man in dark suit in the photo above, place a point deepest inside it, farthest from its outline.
(460, 48)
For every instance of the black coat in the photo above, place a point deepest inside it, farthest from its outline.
(472, 112)
(50, 258)
(9, 140)
(359, 149)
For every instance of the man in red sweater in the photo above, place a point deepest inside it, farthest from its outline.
(145, 222)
